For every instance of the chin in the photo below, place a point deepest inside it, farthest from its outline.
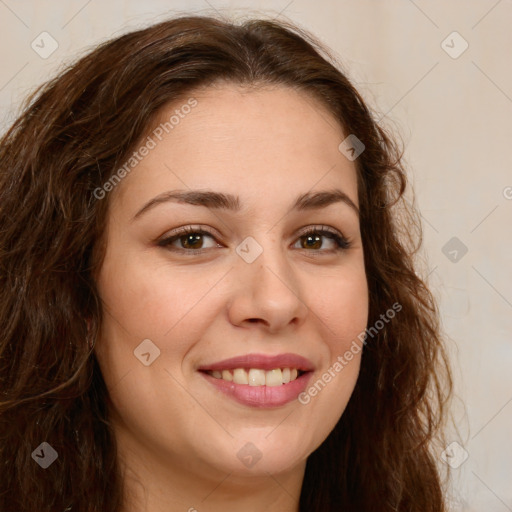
(258, 455)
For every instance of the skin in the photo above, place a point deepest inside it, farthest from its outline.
(178, 436)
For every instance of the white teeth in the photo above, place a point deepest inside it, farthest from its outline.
(274, 377)
(227, 375)
(257, 377)
(240, 376)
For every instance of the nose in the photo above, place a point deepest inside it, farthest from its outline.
(267, 292)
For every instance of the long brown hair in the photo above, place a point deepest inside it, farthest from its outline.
(74, 133)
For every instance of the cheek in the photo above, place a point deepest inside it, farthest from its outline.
(151, 302)
(343, 309)
(154, 300)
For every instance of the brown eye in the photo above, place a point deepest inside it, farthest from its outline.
(313, 239)
(188, 239)
(191, 241)
(311, 242)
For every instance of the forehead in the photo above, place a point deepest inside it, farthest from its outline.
(228, 112)
(243, 140)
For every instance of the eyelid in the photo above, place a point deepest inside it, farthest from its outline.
(320, 227)
(191, 228)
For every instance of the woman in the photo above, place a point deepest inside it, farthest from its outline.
(208, 297)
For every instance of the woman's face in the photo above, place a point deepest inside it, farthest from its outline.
(267, 285)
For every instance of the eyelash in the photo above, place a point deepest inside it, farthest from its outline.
(342, 242)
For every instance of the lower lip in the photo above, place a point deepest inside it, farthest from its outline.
(261, 396)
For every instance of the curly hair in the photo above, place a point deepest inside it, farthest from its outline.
(72, 134)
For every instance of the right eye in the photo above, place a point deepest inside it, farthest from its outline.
(190, 239)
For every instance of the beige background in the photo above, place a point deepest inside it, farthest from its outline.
(454, 116)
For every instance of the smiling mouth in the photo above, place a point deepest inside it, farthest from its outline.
(257, 376)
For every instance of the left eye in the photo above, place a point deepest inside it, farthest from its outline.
(191, 240)
(313, 238)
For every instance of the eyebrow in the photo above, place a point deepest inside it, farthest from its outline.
(221, 201)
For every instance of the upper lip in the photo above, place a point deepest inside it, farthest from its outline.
(262, 361)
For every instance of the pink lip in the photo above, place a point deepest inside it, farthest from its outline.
(261, 396)
(262, 362)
